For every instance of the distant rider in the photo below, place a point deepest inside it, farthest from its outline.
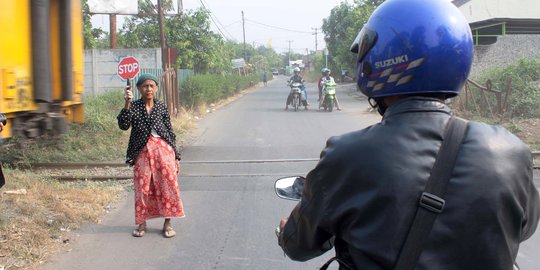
(327, 78)
(320, 82)
(296, 78)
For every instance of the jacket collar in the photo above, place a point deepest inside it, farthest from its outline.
(417, 104)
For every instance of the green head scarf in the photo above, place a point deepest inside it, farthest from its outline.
(145, 77)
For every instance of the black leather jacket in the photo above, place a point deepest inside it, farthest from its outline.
(363, 193)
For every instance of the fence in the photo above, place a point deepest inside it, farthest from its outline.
(168, 86)
(484, 99)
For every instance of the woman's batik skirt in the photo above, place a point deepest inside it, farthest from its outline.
(156, 183)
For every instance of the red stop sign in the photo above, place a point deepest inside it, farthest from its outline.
(128, 67)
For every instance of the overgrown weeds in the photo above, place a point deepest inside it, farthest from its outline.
(202, 90)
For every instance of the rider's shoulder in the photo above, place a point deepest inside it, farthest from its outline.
(486, 133)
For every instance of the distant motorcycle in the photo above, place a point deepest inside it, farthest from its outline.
(297, 98)
(329, 95)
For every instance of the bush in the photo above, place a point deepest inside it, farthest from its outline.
(524, 100)
(201, 90)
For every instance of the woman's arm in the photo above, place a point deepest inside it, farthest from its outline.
(125, 115)
(124, 119)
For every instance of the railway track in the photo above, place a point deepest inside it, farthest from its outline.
(115, 171)
(63, 171)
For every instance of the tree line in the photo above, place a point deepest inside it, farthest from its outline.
(206, 52)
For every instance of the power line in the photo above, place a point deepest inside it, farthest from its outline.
(216, 18)
(231, 24)
(277, 27)
(216, 24)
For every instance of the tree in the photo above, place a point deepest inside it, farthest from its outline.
(90, 35)
(374, 3)
(342, 27)
(199, 48)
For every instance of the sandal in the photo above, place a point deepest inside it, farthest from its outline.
(168, 232)
(140, 231)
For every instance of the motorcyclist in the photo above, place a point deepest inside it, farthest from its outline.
(296, 78)
(328, 78)
(364, 192)
(320, 85)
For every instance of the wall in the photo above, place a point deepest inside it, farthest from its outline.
(506, 51)
(100, 67)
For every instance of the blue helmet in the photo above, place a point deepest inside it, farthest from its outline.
(413, 47)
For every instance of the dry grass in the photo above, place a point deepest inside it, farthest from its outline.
(34, 224)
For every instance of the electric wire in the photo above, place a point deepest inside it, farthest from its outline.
(212, 14)
(277, 27)
(217, 24)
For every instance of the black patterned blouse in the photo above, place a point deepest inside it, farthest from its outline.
(142, 124)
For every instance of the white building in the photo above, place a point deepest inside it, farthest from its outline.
(504, 31)
(490, 19)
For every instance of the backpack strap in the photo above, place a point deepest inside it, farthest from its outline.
(431, 202)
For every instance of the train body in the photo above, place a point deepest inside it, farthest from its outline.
(41, 66)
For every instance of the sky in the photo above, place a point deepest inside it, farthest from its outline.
(277, 23)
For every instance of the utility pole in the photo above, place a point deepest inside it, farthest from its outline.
(162, 34)
(112, 30)
(244, 31)
(308, 63)
(316, 29)
(289, 63)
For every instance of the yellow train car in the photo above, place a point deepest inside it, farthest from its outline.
(41, 66)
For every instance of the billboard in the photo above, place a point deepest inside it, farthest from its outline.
(238, 63)
(124, 7)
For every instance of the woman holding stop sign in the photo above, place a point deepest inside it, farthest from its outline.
(152, 151)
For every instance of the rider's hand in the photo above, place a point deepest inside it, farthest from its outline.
(279, 229)
(128, 95)
(282, 223)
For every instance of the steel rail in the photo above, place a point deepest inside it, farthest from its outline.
(68, 178)
(84, 165)
(76, 165)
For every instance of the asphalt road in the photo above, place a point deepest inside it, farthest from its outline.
(228, 171)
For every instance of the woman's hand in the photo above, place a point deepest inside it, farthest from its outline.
(128, 95)
(177, 167)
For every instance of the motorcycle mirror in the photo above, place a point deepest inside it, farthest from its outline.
(290, 188)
